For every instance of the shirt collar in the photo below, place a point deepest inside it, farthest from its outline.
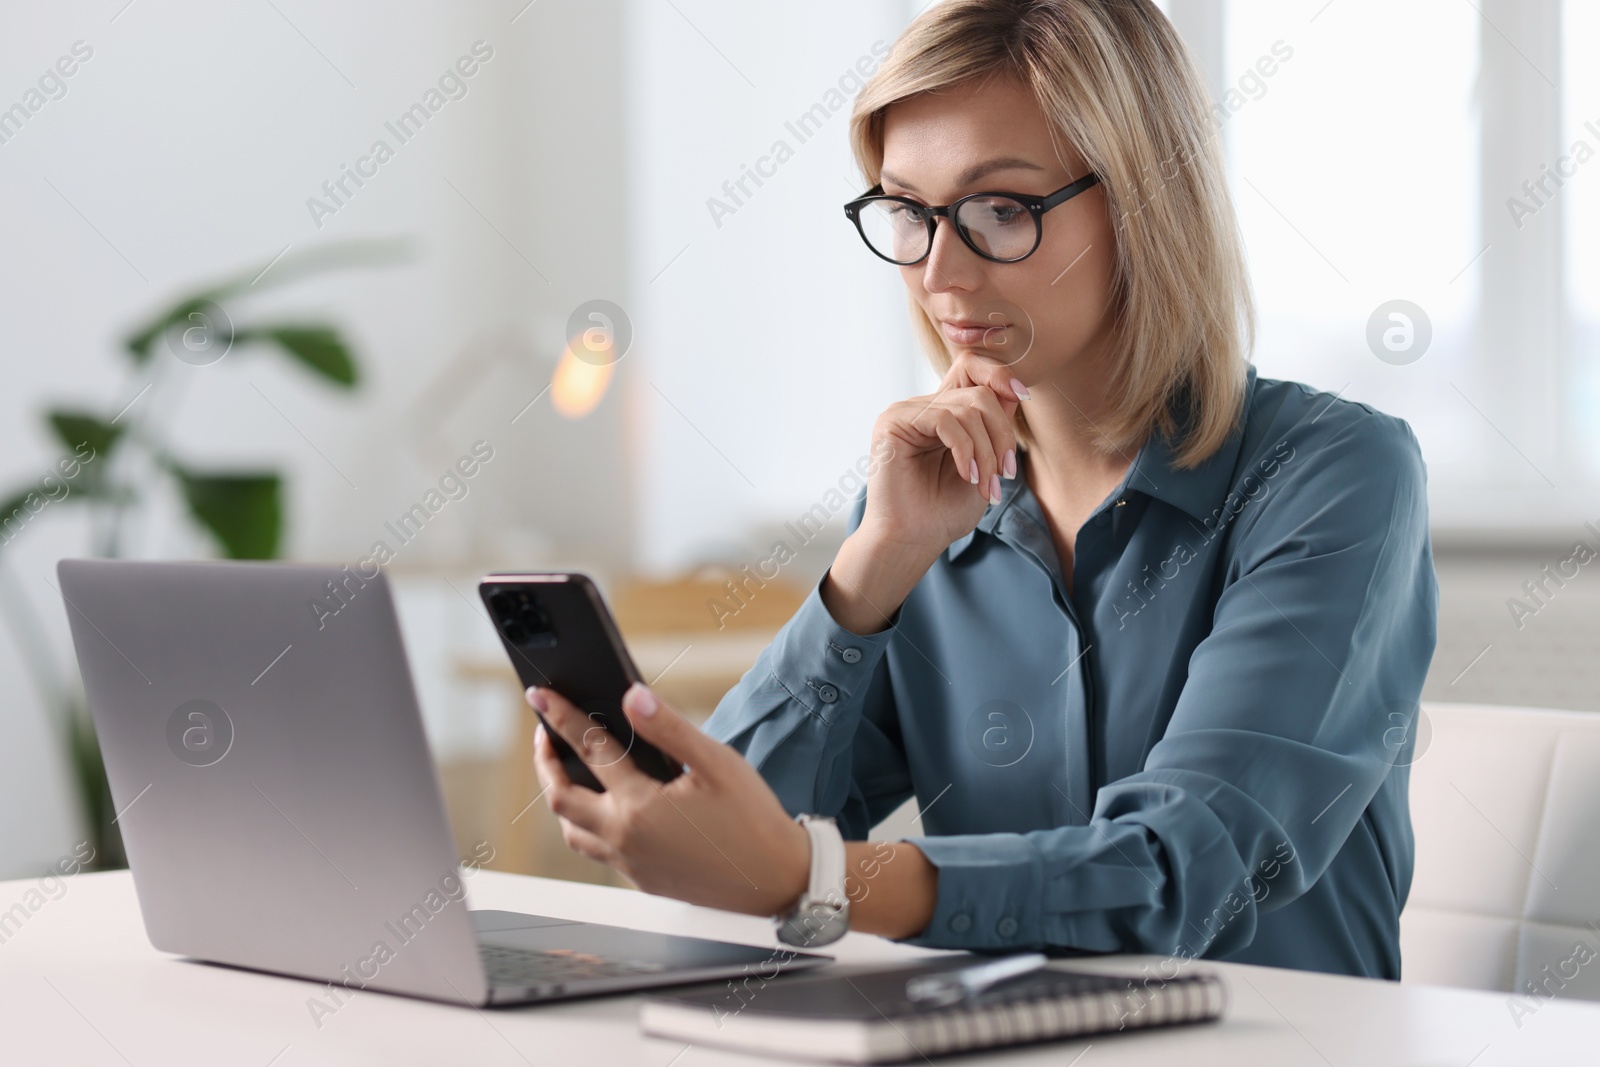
(1198, 492)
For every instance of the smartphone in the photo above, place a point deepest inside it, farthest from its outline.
(559, 634)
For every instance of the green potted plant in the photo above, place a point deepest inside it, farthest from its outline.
(115, 459)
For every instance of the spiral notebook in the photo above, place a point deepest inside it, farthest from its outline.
(864, 1016)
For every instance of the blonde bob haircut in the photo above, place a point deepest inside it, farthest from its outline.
(1114, 80)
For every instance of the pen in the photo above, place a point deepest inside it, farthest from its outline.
(952, 986)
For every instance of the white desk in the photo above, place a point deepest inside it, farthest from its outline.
(79, 984)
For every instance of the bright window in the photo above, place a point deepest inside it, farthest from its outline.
(1353, 159)
(1580, 123)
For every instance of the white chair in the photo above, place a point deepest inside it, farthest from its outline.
(1505, 803)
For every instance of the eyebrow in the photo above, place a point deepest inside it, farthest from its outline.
(972, 173)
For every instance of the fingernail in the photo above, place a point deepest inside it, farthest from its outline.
(641, 701)
(972, 471)
(994, 489)
(537, 698)
(1011, 463)
(1018, 388)
(538, 734)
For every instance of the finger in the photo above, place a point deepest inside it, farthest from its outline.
(547, 766)
(586, 843)
(909, 420)
(603, 753)
(955, 377)
(565, 797)
(940, 427)
(967, 406)
(942, 423)
(999, 428)
(1008, 391)
(664, 727)
(969, 368)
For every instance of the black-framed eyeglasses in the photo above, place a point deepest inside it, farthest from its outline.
(1002, 227)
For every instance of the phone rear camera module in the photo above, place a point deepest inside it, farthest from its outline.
(522, 620)
(503, 604)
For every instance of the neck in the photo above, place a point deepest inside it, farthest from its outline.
(1068, 459)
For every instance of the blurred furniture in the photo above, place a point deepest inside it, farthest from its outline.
(1546, 655)
(81, 985)
(690, 654)
(1506, 806)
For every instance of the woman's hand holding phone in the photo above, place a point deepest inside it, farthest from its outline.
(716, 835)
(948, 453)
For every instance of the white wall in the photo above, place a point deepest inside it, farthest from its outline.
(775, 338)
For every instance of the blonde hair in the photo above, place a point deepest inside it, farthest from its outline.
(1113, 78)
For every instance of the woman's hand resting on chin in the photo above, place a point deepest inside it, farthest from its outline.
(947, 454)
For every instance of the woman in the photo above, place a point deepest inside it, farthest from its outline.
(1142, 633)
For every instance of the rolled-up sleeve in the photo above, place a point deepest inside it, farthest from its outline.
(816, 716)
(1280, 739)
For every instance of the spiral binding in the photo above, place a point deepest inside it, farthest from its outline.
(1043, 1018)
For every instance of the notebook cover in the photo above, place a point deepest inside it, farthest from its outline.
(862, 1015)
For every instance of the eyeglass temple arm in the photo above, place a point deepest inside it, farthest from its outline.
(1070, 191)
(876, 190)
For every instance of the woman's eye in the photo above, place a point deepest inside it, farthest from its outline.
(993, 212)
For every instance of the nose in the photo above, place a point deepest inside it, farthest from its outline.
(950, 263)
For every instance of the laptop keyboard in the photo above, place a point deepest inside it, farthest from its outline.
(538, 967)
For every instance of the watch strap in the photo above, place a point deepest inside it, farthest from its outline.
(826, 885)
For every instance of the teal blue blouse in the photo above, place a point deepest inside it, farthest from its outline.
(1202, 750)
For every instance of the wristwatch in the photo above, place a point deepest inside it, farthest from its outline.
(823, 913)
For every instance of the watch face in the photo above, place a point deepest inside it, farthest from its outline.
(817, 925)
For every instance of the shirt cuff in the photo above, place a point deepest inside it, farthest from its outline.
(990, 891)
(822, 665)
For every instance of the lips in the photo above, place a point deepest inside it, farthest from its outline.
(970, 332)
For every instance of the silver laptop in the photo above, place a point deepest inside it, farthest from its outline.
(279, 806)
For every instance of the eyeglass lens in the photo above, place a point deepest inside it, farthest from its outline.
(999, 226)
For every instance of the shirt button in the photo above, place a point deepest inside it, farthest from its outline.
(851, 655)
(828, 693)
(961, 922)
(1007, 927)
